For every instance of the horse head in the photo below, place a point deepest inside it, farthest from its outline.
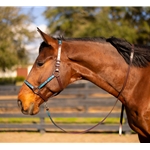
(47, 76)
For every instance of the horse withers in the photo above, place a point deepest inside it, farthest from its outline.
(101, 61)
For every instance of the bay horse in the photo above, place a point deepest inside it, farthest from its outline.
(102, 61)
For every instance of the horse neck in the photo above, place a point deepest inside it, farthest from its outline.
(99, 63)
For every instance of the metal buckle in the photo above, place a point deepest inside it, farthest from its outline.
(36, 90)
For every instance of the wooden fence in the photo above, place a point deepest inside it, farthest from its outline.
(77, 100)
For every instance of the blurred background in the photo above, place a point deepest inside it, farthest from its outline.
(19, 43)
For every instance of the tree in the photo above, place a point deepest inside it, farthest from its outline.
(130, 23)
(69, 20)
(13, 37)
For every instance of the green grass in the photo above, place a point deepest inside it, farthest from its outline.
(60, 120)
(19, 120)
(84, 120)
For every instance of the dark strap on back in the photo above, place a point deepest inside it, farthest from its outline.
(125, 82)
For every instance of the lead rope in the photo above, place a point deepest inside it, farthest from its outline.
(76, 132)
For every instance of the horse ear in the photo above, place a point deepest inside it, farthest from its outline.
(47, 39)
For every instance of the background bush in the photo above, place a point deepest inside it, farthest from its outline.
(11, 81)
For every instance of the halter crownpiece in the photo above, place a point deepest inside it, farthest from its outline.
(58, 57)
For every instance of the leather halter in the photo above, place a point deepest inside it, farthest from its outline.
(36, 89)
(56, 74)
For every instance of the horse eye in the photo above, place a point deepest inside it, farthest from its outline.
(39, 63)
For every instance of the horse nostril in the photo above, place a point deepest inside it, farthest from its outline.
(19, 103)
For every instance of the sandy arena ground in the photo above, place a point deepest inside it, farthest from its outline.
(32, 137)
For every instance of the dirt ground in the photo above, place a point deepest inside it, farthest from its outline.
(36, 137)
(32, 137)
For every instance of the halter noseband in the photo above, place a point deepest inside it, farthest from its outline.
(37, 89)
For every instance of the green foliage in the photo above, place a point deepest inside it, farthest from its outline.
(19, 79)
(84, 120)
(7, 81)
(13, 37)
(11, 80)
(69, 19)
(130, 23)
(19, 120)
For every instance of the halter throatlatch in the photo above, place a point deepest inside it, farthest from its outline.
(56, 74)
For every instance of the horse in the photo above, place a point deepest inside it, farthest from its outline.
(102, 61)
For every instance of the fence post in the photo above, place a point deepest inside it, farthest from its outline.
(128, 130)
(42, 122)
(86, 87)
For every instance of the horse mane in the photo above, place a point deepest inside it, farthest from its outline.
(141, 53)
(93, 39)
(141, 56)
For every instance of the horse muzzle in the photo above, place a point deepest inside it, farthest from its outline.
(30, 110)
